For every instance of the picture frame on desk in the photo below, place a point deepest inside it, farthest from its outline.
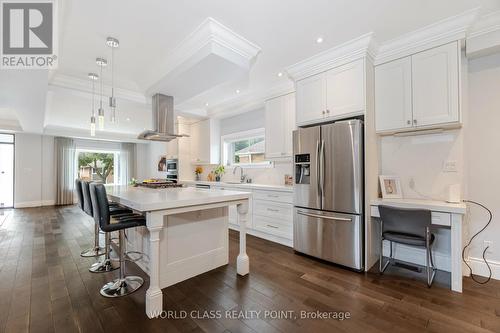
(391, 187)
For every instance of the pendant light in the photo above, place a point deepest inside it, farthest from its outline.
(93, 77)
(101, 62)
(113, 43)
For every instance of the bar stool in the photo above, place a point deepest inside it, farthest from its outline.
(106, 265)
(86, 204)
(96, 250)
(409, 227)
(124, 285)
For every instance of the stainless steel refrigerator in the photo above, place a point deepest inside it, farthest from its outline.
(328, 195)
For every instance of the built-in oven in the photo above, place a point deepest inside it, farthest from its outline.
(172, 170)
(172, 165)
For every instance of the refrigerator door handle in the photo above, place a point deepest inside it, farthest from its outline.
(318, 171)
(324, 217)
(322, 170)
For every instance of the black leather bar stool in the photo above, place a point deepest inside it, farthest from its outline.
(105, 265)
(96, 250)
(409, 227)
(124, 285)
(84, 201)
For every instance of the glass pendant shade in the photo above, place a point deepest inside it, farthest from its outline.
(100, 118)
(92, 126)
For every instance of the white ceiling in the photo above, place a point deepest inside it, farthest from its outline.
(149, 31)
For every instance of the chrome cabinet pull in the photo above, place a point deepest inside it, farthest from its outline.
(272, 226)
(415, 121)
(273, 210)
(408, 122)
(324, 217)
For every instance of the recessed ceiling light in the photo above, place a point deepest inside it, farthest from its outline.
(280, 74)
(319, 40)
(206, 104)
(128, 119)
(237, 91)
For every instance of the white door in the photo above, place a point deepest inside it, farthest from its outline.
(393, 108)
(275, 127)
(435, 77)
(345, 89)
(311, 99)
(6, 170)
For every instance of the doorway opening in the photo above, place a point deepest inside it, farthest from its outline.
(7, 142)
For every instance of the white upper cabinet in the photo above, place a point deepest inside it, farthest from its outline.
(345, 89)
(393, 95)
(334, 94)
(279, 124)
(311, 98)
(421, 91)
(436, 85)
(205, 142)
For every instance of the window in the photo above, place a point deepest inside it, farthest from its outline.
(98, 166)
(244, 148)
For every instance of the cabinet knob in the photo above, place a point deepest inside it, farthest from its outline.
(327, 111)
(408, 122)
(323, 112)
(415, 121)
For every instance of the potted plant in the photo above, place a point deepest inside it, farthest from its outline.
(219, 171)
(198, 171)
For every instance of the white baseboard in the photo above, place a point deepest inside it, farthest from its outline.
(417, 256)
(37, 203)
(479, 267)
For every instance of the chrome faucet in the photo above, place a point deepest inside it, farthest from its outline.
(242, 176)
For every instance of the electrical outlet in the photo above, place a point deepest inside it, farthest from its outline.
(487, 244)
(450, 166)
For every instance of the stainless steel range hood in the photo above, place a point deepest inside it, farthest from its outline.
(163, 120)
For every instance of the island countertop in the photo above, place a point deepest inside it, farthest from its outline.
(146, 199)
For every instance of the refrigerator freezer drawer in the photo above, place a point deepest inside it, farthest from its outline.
(334, 237)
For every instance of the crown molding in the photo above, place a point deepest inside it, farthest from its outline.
(445, 31)
(210, 36)
(485, 24)
(484, 37)
(360, 47)
(83, 87)
(250, 101)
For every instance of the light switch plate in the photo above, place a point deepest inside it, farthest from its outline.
(450, 166)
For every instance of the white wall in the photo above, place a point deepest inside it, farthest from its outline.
(34, 170)
(482, 146)
(243, 122)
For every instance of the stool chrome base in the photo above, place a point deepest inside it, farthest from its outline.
(104, 266)
(122, 287)
(93, 252)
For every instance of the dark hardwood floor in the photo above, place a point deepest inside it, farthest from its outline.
(45, 287)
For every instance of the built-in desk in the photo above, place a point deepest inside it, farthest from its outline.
(445, 215)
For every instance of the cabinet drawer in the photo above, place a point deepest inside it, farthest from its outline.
(284, 197)
(275, 210)
(440, 218)
(270, 226)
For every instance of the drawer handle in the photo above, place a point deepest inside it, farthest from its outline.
(272, 226)
(325, 217)
(273, 196)
(273, 210)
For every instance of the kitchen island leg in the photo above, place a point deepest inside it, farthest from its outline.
(243, 262)
(154, 295)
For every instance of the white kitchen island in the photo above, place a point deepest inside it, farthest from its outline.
(186, 233)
